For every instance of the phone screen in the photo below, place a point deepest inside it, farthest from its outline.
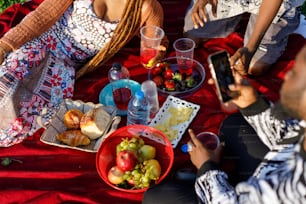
(223, 73)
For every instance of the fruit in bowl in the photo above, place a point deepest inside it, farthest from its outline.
(134, 157)
(126, 160)
(136, 166)
(170, 81)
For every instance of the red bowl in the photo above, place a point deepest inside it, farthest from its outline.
(105, 158)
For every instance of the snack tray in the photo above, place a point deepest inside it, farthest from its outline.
(56, 124)
(163, 114)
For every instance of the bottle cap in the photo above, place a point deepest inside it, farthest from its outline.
(186, 148)
(117, 65)
(139, 94)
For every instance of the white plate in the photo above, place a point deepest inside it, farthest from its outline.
(163, 114)
(56, 124)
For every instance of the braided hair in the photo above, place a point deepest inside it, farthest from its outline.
(125, 30)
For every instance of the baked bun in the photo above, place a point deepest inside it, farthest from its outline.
(72, 118)
(73, 138)
(94, 122)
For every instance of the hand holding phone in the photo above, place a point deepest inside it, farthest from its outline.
(222, 74)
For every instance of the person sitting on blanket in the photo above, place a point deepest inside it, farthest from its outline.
(280, 177)
(58, 42)
(265, 39)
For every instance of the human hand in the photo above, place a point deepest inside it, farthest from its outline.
(247, 94)
(199, 15)
(158, 58)
(241, 60)
(199, 154)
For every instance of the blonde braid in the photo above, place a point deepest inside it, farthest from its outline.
(125, 30)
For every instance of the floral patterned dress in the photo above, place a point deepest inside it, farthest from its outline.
(41, 73)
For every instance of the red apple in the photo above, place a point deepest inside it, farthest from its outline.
(126, 160)
(147, 152)
(115, 175)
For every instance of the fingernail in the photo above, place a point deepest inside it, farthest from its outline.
(231, 86)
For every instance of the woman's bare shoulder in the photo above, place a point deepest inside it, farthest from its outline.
(149, 4)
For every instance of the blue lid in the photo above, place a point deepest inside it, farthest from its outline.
(185, 148)
(139, 94)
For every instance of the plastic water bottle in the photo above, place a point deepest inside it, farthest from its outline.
(138, 109)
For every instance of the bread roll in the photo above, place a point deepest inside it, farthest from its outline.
(94, 122)
(73, 138)
(72, 118)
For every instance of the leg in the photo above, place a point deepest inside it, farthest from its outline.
(243, 149)
(274, 41)
(214, 28)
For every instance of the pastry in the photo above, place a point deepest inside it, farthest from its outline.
(94, 122)
(72, 118)
(73, 138)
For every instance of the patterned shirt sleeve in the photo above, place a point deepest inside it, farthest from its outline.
(273, 126)
(280, 178)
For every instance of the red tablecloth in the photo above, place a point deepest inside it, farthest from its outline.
(49, 174)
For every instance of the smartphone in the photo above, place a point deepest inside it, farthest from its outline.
(221, 72)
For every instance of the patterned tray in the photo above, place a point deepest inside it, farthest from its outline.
(163, 115)
(56, 124)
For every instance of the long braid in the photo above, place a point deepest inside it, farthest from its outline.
(125, 30)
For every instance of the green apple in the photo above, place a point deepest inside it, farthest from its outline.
(147, 152)
(153, 169)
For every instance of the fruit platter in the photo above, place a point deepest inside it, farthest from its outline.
(171, 81)
(134, 157)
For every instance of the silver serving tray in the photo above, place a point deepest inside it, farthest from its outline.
(56, 124)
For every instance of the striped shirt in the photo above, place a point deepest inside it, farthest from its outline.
(230, 8)
(280, 178)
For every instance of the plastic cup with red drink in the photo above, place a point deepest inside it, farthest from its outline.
(209, 139)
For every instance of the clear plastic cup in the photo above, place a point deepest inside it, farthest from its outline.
(209, 139)
(184, 49)
(151, 37)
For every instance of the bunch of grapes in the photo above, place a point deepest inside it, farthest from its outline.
(145, 171)
(142, 175)
(133, 144)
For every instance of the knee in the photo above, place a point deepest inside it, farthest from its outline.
(258, 68)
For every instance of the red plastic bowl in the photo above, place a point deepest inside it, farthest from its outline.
(105, 158)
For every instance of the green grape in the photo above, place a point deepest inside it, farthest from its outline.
(145, 179)
(132, 146)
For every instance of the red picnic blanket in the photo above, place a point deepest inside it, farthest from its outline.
(49, 174)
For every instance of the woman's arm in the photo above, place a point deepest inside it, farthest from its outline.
(153, 14)
(34, 24)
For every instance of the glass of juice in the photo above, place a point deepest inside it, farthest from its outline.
(151, 37)
(121, 93)
(209, 139)
(184, 49)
